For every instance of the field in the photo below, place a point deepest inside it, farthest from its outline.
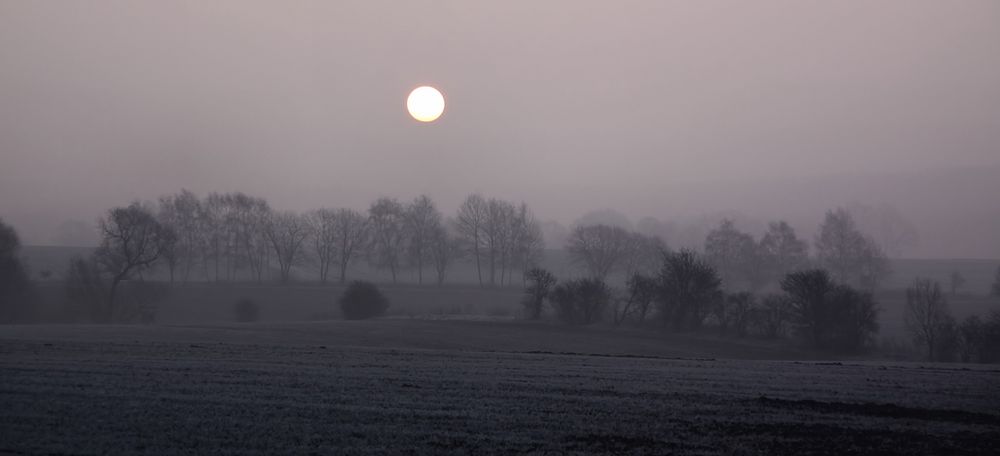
(423, 386)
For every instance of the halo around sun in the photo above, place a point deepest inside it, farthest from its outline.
(425, 104)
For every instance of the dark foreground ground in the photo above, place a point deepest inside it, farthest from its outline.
(308, 388)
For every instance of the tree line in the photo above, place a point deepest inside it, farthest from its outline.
(234, 236)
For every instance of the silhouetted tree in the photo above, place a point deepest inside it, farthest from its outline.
(979, 339)
(641, 291)
(855, 319)
(351, 232)
(539, 285)
(926, 315)
(733, 253)
(808, 293)
(830, 315)
(581, 301)
(183, 214)
(388, 234)
(15, 285)
(772, 315)
(323, 239)
(526, 244)
(735, 311)
(645, 255)
(599, 249)
(422, 220)
(469, 223)
(782, 251)
(497, 235)
(444, 249)
(132, 241)
(688, 288)
(849, 256)
(287, 233)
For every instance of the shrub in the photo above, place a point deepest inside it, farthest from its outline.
(362, 300)
(16, 290)
(582, 301)
(539, 286)
(246, 310)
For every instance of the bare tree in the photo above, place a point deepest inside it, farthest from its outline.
(422, 220)
(782, 251)
(645, 256)
(469, 223)
(352, 234)
(808, 298)
(444, 248)
(132, 241)
(287, 233)
(926, 315)
(527, 243)
(323, 239)
(497, 235)
(641, 291)
(388, 241)
(182, 213)
(539, 285)
(849, 256)
(600, 249)
(15, 286)
(689, 286)
(733, 253)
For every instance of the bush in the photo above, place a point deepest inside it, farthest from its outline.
(539, 286)
(581, 302)
(362, 300)
(246, 311)
(16, 290)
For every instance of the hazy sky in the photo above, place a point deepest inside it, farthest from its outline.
(671, 109)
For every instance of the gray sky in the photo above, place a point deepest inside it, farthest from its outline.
(671, 109)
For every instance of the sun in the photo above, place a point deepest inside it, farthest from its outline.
(425, 103)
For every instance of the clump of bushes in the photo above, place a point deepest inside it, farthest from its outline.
(362, 300)
(582, 301)
(246, 311)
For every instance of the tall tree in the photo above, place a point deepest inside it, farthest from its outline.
(808, 293)
(422, 220)
(782, 251)
(497, 235)
(732, 252)
(351, 230)
(15, 286)
(599, 249)
(469, 223)
(323, 239)
(926, 314)
(388, 241)
(849, 256)
(132, 241)
(182, 213)
(444, 249)
(287, 233)
(689, 285)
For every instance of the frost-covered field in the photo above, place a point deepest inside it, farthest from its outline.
(420, 387)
